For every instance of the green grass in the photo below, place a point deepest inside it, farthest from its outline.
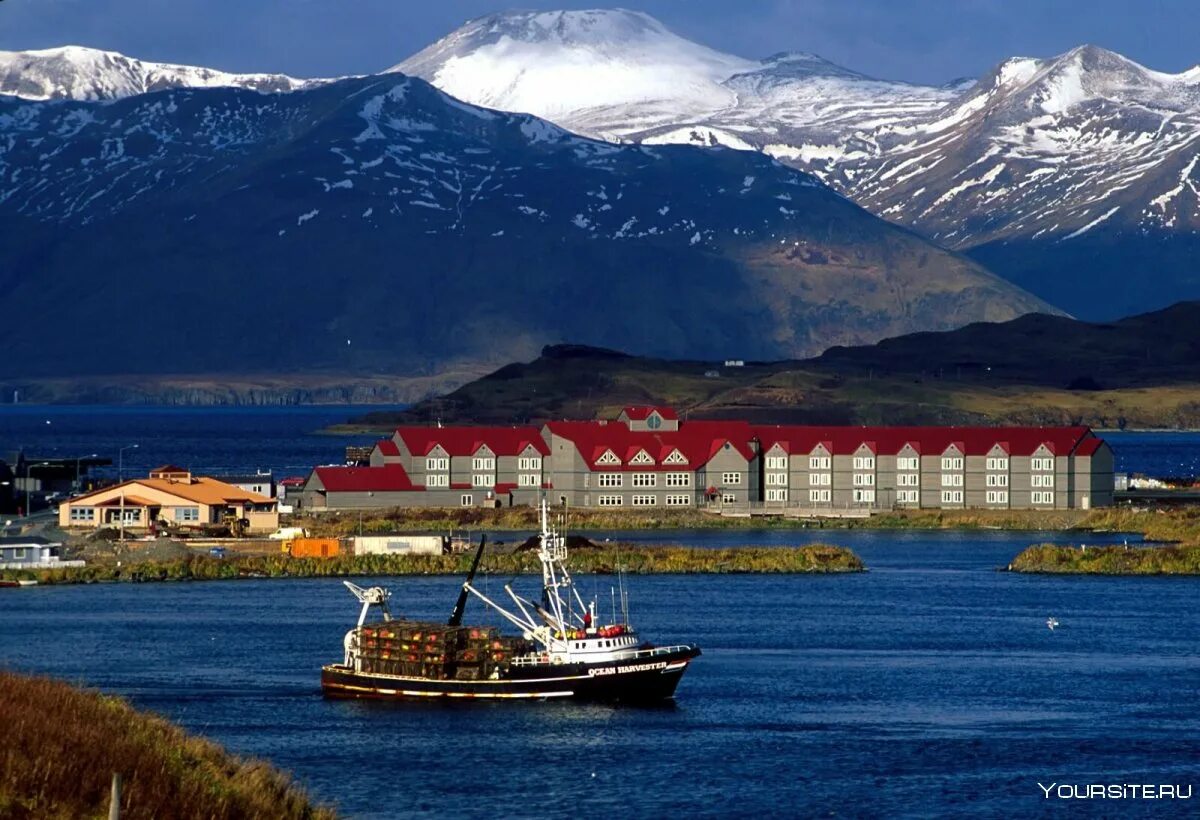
(1118, 560)
(447, 519)
(61, 746)
(640, 560)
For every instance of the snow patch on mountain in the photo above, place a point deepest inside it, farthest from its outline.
(78, 73)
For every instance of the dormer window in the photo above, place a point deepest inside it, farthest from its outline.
(608, 458)
(675, 457)
(642, 457)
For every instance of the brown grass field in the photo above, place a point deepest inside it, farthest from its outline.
(61, 746)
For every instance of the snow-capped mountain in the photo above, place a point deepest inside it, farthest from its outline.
(623, 76)
(77, 73)
(1039, 159)
(377, 223)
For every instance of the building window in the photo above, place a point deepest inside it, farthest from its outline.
(483, 480)
(1044, 464)
(642, 458)
(997, 463)
(864, 462)
(643, 501)
(1042, 480)
(728, 498)
(731, 478)
(908, 480)
(777, 479)
(83, 514)
(908, 463)
(187, 513)
(18, 553)
(529, 463)
(777, 462)
(998, 480)
(608, 458)
(610, 501)
(679, 479)
(952, 479)
(131, 516)
(482, 463)
(997, 496)
(816, 496)
(819, 463)
(609, 480)
(644, 480)
(820, 479)
(864, 496)
(466, 500)
(777, 495)
(676, 457)
(1043, 497)
(952, 463)
(437, 463)
(679, 500)
(437, 480)
(952, 496)
(864, 479)
(908, 497)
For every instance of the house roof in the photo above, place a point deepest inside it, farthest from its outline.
(202, 490)
(168, 468)
(27, 541)
(697, 441)
(387, 478)
(972, 441)
(387, 447)
(292, 481)
(127, 501)
(465, 441)
(640, 412)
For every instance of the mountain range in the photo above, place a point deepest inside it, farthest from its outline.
(1075, 177)
(687, 203)
(377, 225)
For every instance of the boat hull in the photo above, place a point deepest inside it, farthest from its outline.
(638, 680)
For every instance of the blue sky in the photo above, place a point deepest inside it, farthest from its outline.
(916, 40)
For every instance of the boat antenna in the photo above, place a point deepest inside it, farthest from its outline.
(461, 603)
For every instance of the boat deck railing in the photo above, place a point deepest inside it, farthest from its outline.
(639, 654)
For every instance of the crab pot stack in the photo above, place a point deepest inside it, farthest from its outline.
(435, 651)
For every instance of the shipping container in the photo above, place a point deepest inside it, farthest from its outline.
(399, 545)
(312, 547)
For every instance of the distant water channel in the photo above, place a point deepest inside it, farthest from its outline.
(284, 439)
(929, 686)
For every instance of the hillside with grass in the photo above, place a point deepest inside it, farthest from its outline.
(62, 745)
(1139, 372)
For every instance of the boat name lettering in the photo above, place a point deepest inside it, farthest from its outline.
(621, 670)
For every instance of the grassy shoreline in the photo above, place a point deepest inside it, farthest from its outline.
(63, 744)
(667, 560)
(581, 521)
(1057, 559)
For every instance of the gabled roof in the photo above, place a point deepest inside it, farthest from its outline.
(201, 490)
(387, 478)
(697, 441)
(972, 441)
(642, 412)
(466, 441)
(387, 447)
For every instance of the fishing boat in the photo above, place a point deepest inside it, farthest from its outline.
(562, 650)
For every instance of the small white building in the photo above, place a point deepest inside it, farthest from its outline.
(32, 552)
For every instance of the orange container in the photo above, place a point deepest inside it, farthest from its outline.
(314, 547)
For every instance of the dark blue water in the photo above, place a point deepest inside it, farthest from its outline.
(930, 686)
(205, 440)
(284, 439)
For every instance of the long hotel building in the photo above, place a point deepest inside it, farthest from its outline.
(648, 458)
